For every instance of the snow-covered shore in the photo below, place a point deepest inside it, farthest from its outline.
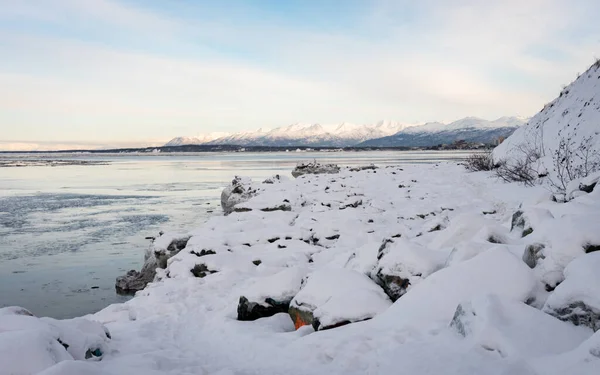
(408, 269)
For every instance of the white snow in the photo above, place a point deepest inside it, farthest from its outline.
(322, 250)
(575, 114)
(340, 295)
(582, 284)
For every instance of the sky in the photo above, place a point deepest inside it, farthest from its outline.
(111, 73)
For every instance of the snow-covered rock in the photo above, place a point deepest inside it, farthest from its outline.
(239, 191)
(314, 168)
(271, 295)
(402, 264)
(335, 297)
(29, 344)
(514, 329)
(577, 299)
(161, 249)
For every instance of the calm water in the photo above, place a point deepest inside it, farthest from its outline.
(67, 231)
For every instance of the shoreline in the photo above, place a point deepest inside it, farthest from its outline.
(365, 258)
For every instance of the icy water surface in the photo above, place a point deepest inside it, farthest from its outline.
(67, 231)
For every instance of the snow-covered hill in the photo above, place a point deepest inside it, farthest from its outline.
(348, 134)
(471, 129)
(574, 116)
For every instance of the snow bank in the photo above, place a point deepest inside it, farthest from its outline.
(577, 299)
(29, 344)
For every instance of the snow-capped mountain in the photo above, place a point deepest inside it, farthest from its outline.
(470, 129)
(348, 134)
(574, 115)
(301, 134)
(200, 139)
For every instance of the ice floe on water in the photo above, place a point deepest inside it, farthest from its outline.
(409, 268)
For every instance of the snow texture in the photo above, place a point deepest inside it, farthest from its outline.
(320, 241)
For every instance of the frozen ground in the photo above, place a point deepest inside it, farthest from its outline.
(475, 268)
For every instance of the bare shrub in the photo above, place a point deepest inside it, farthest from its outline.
(481, 161)
(522, 167)
(572, 161)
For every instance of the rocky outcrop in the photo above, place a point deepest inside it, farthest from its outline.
(239, 191)
(314, 168)
(163, 247)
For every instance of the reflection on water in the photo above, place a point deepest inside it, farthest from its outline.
(67, 231)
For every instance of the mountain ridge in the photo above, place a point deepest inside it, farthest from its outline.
(349, 134)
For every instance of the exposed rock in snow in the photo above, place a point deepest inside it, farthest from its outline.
(161, 249)
(525, 220)
(495, 271)
(239, 191)
(577, 299)
(513, 329)
(335, 297)
(270, 295)
(402, 264)
(314, 168)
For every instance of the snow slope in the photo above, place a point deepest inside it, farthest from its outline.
(574, 114)
(479, 312)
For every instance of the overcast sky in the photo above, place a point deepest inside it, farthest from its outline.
(131, 72)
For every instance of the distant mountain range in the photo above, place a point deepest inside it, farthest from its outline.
(381, 134)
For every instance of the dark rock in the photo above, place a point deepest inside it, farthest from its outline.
(579, 314)
(248, 311)
(93, 353)
(364, 168)
(587, 188)
(257, 262)
(436, 228)
(518, 220)
(533, 253)
(494, 239)
(203, 252)
(526, 232)
(201, 270)
(282, 207)
(271, 240)
(589, 248)
(352, 205)
(394, 286)
(334, 237)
